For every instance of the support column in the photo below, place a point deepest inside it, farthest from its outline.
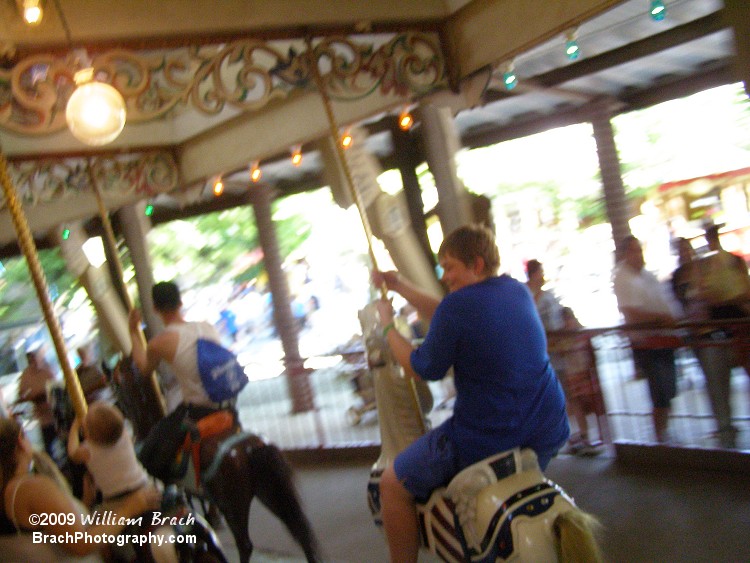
(113, 320)
(619, 209)
(298, 380)
(441, 142)
(735, 13)
(408, 157)
(135, 226)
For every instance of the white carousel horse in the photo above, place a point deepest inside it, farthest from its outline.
(500, 509)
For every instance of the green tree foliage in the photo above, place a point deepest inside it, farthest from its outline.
(206, 249)
(18, 298)
(742, 106)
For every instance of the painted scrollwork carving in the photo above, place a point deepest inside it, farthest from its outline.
(38, 182)
(246, 74)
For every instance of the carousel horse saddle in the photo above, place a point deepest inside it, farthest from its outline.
(486, 508)
(202, 441)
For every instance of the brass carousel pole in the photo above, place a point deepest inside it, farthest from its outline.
(356, 197)
(109, 240)
(334, 130)
(28, 247)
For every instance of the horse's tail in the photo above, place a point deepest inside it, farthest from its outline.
(575, 539)
(276, 490)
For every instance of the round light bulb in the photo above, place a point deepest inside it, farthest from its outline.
(33, 16)
(405, 121)
(95, 113)
(32, 12)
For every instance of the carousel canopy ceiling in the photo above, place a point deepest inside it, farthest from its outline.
(211, 87)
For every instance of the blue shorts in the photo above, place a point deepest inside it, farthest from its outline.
(431, 461)
(427, 463)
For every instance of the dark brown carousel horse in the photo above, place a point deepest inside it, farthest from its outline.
(234, 468)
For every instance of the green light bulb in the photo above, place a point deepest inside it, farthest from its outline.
(149, 211)
(658, 10)
(572, 50)
(66, 234)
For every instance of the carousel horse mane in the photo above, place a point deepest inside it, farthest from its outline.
(576, 540)
(234, 468)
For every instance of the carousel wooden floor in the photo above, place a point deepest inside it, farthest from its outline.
(650, 514)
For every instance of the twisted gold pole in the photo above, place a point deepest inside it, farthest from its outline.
(28, 247)
(334, 129)
(109, 240)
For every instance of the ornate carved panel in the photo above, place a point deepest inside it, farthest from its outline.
(246, 74)
(39, 182)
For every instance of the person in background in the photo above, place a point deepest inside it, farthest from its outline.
(723, 289)
(551, 313)
(93, 381)
(731, 300)
(32, 387)
(547, 303)
(580, 382)
(641, 299)
(686, 282)
(507, 395)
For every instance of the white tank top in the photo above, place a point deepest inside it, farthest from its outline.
(185, 364)
(115, 468)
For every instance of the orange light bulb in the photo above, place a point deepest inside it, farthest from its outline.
(218, 187)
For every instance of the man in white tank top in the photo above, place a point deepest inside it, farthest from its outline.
(176, 345)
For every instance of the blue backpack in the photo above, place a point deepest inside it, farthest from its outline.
(221, 374)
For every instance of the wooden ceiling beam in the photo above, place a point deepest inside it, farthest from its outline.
(651, 45)
(176, 41)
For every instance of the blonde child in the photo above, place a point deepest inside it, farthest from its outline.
(580, 382)
(107, 452)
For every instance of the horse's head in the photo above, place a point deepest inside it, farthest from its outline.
(507, 508)
(135, 397)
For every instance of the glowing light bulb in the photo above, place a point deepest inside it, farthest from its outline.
(96, 111)
(405, 120)
(255, 172)
(149, 211)
(297, 156)
(346, 140)
(32, 12)
(218, 187)
(572, 50)
(658, 10)
(66, 234)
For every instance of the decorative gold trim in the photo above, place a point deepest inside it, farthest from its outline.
(246, 74)
(39, 182)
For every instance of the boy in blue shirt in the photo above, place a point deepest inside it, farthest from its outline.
(508, 396)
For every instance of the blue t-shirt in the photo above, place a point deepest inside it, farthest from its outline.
(507, 394)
